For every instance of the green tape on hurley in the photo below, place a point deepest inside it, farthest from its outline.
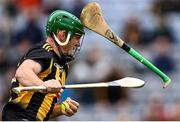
(143, 60)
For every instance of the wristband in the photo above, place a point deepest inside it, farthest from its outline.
(64, 105)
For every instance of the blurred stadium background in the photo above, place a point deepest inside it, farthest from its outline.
(150, 26)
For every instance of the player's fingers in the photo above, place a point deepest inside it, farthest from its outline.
(73, 102)
(72, 107)
(69, 111)
(61, 90)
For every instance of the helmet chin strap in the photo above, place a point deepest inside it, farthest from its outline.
(62, 43)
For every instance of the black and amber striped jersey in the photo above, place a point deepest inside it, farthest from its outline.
(37, 105)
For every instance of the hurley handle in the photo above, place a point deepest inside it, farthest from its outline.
(143, 60)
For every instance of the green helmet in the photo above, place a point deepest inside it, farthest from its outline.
(64, 20)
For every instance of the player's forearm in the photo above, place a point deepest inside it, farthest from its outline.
(27, 77)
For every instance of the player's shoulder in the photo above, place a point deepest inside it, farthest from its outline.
(41, 50)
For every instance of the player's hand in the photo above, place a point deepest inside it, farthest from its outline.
(53, 86)
(69, 107)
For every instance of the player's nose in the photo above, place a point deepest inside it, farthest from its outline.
(77, 42)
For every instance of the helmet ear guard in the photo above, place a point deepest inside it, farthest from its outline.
(62, 43)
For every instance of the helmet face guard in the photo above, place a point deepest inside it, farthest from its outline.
(71, 54)
(76, 50)
(62, 20)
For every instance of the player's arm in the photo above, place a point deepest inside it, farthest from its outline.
(27, 72)
(68, 108)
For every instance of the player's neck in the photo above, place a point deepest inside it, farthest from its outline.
(53, 45)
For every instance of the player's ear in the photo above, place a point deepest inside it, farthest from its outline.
(61, 35)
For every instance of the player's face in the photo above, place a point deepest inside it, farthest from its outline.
(72, 46)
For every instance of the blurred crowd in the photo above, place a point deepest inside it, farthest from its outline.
(23, 24)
